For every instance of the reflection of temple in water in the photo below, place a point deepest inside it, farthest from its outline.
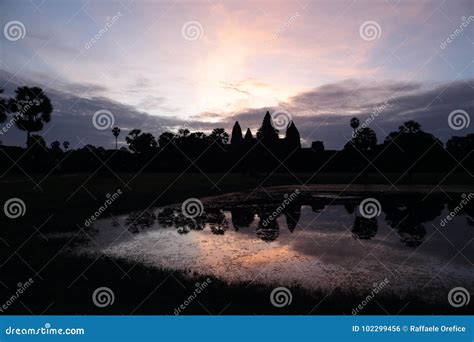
(364, 228)
(405, 214)
(293, 215)
(242, 217)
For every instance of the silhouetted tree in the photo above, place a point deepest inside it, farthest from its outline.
(139, 142)
(410, 127)
(411, 146)
(116, 133)
(365, 140)
(34, 108)
(236, 138)
(183, 132)
(407, 215)
(197, 136)
(66, 145)
(166, 138)
(460, 146)
(197, 142)
(220, 136)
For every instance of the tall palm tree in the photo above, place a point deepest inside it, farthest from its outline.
(355, 124)
(116, 133)
(66, 145)
(33, 109)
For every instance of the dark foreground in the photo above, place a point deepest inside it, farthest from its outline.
(63, 283)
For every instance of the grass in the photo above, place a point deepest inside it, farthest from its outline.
(68, 282)
(64, 283)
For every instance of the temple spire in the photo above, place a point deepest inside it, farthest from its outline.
(292, 137)
(236, 138)
(248, 135)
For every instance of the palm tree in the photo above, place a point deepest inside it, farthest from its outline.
(183, 132)
(33, 109)
(66, 145)
(116, 133)
(355, 124)
(220, 136)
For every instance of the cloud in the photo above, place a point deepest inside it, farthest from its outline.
(322, 113)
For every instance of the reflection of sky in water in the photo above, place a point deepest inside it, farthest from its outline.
(329, 245)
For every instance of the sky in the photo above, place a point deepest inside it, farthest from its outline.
(159, 65)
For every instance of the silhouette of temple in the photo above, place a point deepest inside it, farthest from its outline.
(267, 135)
